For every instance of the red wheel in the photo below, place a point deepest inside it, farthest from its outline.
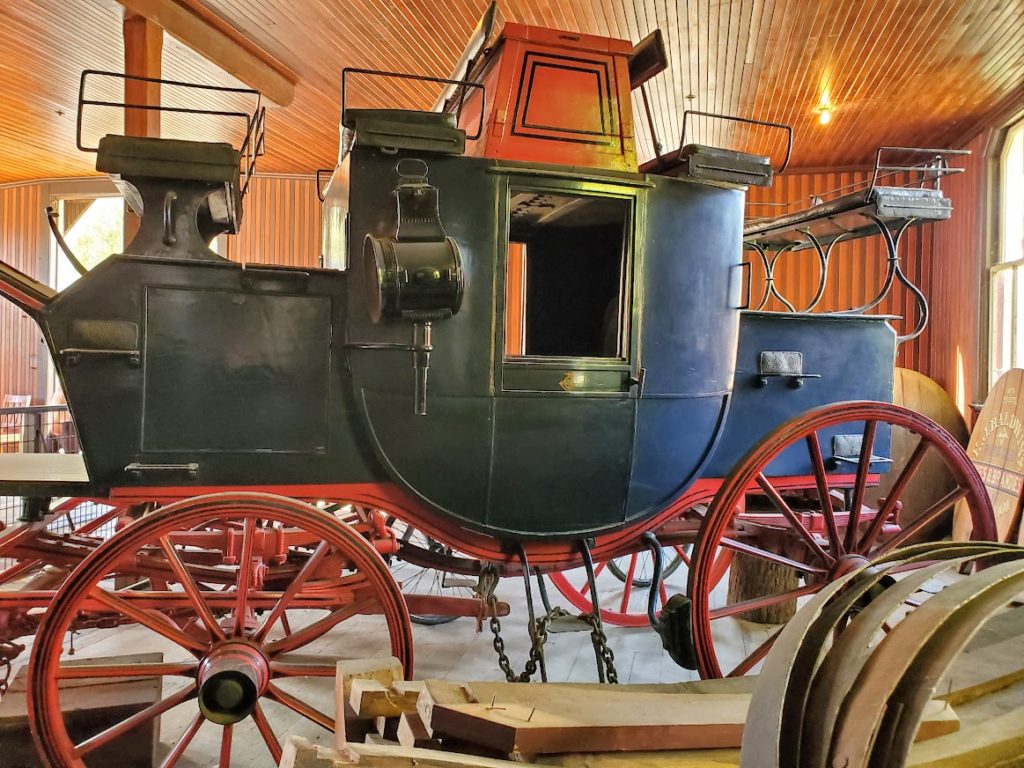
(811, 537)
(624, 582)
(229, 633)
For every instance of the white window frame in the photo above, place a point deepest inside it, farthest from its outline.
(1009, 256)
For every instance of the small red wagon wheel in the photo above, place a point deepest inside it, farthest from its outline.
(229, 587)
(624, 582)
(813, 536)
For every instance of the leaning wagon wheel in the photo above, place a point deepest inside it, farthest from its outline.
(229, 633)
(624, 582)
(806, 536)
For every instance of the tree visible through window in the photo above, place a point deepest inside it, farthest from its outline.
(1007, 274)
(93, 229)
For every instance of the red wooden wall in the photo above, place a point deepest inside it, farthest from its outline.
(957, 279)
(280, 225)
(21, 243)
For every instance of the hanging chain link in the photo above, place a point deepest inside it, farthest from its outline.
(539, 634)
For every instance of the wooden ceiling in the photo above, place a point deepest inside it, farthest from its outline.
(898, 72)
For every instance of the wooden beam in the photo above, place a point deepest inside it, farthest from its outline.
(143, 49)
(206, 34)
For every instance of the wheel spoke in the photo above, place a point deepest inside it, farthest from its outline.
(291, 591)
(926, 517)
(310, 633)
(627, 587)
(296, 705)
(759, 653)
(863, 466)
(98, 522)
(145, 715)
(191, 589)
(681, 552)
(244, 577)
(794, 520)
(86, 671)
(893, 497)
(835, 542)
(225, 747)
(763, 602)
(268, 733)
(748, 549)
(157, 622)
(182, 744)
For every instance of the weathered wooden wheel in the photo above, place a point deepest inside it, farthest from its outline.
(229, 633)
(806, 538)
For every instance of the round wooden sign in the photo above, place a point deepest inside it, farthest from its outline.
(997, 450)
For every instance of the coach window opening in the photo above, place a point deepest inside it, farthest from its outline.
(566, 275)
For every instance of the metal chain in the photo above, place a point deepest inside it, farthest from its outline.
(539, 634)
(603, 651)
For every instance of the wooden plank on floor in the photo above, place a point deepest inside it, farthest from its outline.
(371, 698)
(997, 741)
(594, 721)
(385, 671)
(412, 733)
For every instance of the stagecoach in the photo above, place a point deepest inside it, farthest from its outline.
(520, 344)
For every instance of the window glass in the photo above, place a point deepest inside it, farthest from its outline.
(565, 275)
(93, 228)
(1007, 274)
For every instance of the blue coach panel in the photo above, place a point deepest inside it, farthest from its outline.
(690, 277)
(833, 357)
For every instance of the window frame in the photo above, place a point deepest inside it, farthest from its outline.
(999, 266)
(627, 364)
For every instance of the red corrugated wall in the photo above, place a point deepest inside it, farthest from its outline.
(21, 243)
(957, 275)
(281, 223)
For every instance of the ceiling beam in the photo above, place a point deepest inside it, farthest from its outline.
(210, 36)
(143, 48)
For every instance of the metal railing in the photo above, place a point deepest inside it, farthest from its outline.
(34, 429)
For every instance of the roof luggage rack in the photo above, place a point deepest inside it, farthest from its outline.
(857, 210)
(913, 195)
(406, 128)
(186, 191)
(698, 161)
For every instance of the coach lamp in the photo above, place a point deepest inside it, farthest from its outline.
(415, 276)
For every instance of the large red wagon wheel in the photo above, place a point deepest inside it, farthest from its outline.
(229, 586)
(810, 537)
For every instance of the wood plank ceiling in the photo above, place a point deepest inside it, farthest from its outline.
(901, 72)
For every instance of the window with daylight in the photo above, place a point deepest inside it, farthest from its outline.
(1007, 273)
(564, 294)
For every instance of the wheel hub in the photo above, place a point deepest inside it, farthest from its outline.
(847, 564)
(231, 679)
